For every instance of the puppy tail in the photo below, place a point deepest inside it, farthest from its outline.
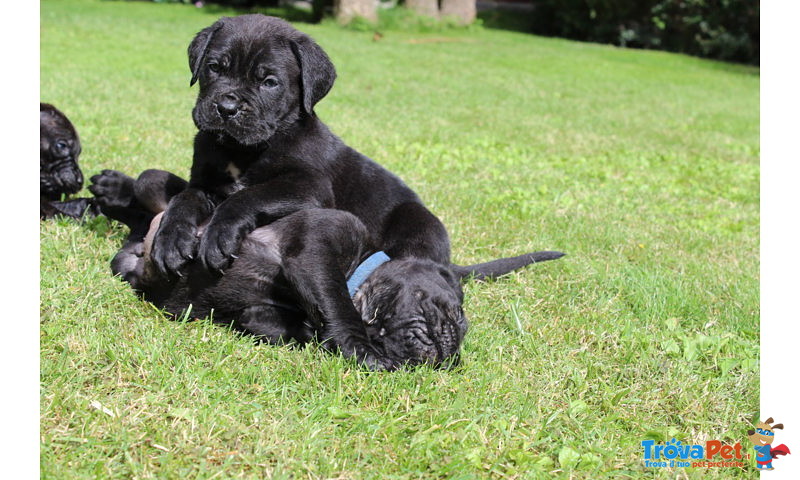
(501, 266)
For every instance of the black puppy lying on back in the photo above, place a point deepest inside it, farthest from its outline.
(278, 285)
(59, 174)
(261, 154)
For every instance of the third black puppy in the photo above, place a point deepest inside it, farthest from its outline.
(59, 173)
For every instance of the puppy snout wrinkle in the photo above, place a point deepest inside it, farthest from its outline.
(69, 177)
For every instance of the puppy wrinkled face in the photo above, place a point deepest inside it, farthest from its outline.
(412, 311)
(59, 148)
(250, 70)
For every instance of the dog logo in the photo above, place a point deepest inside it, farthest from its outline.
(762, 438)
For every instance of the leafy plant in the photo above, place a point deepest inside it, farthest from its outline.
(721, 29)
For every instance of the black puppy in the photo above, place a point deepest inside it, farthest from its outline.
(59, 174)
(278, 285)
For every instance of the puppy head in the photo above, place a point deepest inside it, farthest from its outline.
(412, 312)
(258, 75)
(59, 148)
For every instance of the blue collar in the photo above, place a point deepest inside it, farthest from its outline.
(364, 270)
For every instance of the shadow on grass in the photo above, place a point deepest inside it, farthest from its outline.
(289, 13)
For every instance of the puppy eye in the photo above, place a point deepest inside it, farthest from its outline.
(61, 145)
(271, 81)
(215, 67)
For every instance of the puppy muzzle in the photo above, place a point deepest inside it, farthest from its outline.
(228, 106)
(67, 176)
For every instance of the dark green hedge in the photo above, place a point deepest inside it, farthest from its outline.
(720, 29)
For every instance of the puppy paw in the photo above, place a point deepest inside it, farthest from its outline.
(112, 189)
(174, 245)
(368, 356)
(220, 243)
(377, 363)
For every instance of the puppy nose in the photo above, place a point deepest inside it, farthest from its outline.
(228, 106)
(70, 178)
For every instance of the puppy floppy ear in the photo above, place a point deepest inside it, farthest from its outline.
(316, 71)
(198, 47)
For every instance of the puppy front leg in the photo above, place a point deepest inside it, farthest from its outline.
(255, 206)
(322, 288)
(75, 208)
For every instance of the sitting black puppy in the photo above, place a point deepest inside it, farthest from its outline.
(59, 174)
(279, 286)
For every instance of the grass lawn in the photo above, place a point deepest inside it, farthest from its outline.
(642, 166)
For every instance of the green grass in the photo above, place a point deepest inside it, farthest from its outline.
(642, 166)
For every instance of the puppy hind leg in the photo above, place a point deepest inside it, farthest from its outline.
(129, 262)
(134, 202)
(274, 325)
(114, 194)
(134, 264)
(155, 188)
(112, 188)
(411, 230)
